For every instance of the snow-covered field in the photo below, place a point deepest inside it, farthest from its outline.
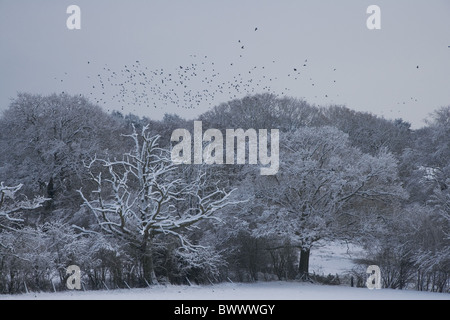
(334, 258)
(277, 290)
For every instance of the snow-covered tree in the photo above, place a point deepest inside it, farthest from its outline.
(368, 132)
(44, 140)
(426, 164)
(323, 189)
(14, 248)
(263, 111)
(144, 196)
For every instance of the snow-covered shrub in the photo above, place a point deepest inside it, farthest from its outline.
(201, 264)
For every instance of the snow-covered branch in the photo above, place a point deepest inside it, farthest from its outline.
(11, 204)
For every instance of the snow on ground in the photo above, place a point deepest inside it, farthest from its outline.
(277, 290)
(333, 258)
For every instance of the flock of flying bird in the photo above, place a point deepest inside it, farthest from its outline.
(191, 85)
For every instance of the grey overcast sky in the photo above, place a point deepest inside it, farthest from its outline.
(196, 54)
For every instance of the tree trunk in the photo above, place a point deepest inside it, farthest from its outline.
(303, 266)
(148, 269)
(50, 194)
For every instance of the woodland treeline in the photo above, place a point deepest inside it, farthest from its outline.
(83, 187)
